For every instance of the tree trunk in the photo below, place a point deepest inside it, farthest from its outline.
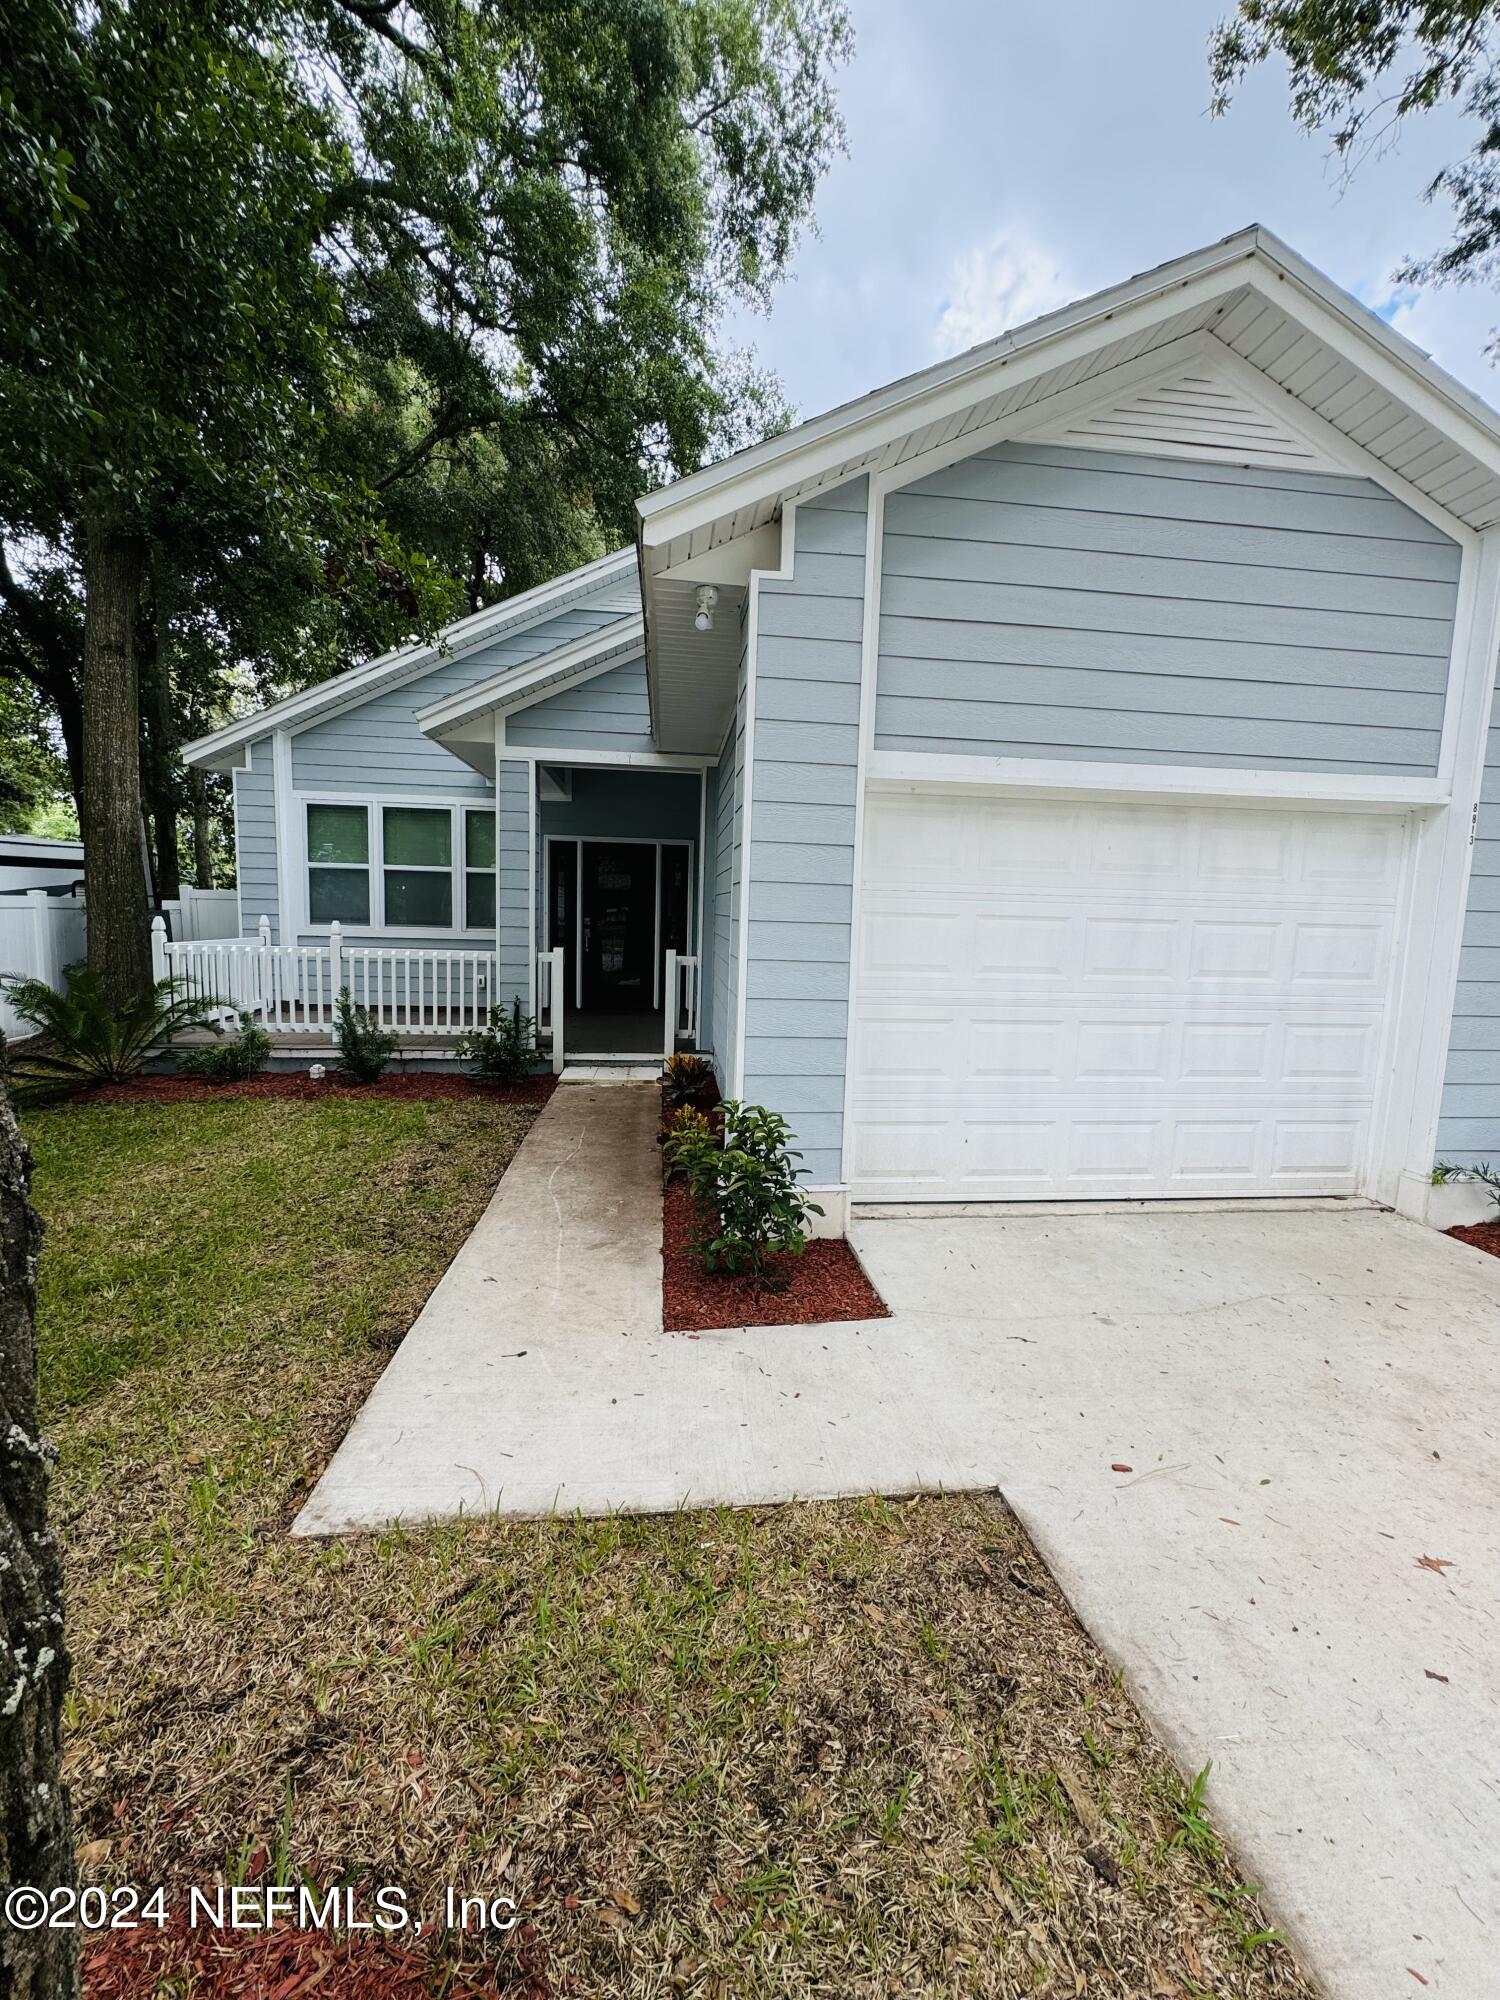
(203, 848)
(119, 935)
(36, 1836)
(158, 752)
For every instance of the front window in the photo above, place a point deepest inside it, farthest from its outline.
(402, 868)
(338, 856)
(418, 856)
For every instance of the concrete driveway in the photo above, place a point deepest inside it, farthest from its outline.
(1299, 1571)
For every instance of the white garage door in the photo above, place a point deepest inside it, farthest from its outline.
(1063, 999)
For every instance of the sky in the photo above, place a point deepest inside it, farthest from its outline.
(1006, 156)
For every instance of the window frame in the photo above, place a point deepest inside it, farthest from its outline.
(374, 805)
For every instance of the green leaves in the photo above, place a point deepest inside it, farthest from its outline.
(744, 1187)
(85, 1041)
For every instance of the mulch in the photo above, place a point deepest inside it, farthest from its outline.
(826, 1282)
(1483, 1235)
(277, 1964)
(415, 1084)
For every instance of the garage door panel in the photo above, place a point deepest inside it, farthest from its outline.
(1192, 1004)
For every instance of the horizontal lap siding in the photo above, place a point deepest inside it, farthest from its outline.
(804, 777)
(255, 841)
(610, 712)
(1047, 602)
(513, 882)
(377, 746)
(1469, 1129)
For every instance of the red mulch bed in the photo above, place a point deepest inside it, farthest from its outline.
(825, 1282)
(418, 1083)
(270, 1965)
(1483, 1236)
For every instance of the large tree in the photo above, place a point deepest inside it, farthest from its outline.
(1359, 67)
(36, 1848)
(321, 317)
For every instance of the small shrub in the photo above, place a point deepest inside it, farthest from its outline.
(84, 1042)
(689, 1133)
(234, 1060)
(688, 1080)
(365, 1048)
(745, 1191)
(505, 1050)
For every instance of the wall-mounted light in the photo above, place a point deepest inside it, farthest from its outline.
(708, 597)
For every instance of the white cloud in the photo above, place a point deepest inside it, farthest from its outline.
(997, 285)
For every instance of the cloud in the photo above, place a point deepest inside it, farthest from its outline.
(996, 285)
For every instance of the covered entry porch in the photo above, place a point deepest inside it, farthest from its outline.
(619, 872)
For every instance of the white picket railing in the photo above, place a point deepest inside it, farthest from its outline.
(680, 992)
(551, 1002)
(296, 986)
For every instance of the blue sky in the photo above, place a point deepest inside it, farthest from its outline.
(1006, 156)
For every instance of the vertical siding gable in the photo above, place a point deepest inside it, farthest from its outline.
(801, 863)
(1052, 602)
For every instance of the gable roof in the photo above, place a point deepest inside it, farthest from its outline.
(1250, 292)
(223, 747)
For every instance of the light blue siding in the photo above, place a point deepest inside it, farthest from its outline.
(610, 712)
(377, 745)
(1469, 1129)
(801, 872)
(255, 841)
(1038, 601)
(513, 884)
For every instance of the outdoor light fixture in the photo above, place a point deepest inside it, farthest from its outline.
(708, 597)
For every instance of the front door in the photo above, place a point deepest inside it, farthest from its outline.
(618, 906)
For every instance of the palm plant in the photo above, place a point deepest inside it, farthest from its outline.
(84, 1042)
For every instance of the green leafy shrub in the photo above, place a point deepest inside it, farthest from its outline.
(689, 1132)
(505, 1050)
(689, 1080)
(365, 1048)
(1487, 1176)
(748, 1204)
(84, 1042)
(234, 1060)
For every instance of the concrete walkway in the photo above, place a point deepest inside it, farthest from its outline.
(1308, 1401)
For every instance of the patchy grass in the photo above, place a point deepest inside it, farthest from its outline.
(855, 1748)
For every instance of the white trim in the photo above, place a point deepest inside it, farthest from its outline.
(869, 665)
(291, 863)
(1065, 774)
(1444, 852)
(626, 636)
(531, 878)
(747, 775)
(702, 874)
(644, 760)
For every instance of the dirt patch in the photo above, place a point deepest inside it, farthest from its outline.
(1483, 1235)
(826, 1282)
(300, 1086)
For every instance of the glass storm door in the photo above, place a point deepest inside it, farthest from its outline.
(619, 924)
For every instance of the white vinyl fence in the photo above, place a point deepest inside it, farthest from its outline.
(203, 913)
(296, 987)
(39, 935)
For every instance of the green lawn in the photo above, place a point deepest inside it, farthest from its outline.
(840, 1749)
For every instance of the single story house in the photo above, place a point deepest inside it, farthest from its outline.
(1070, 768)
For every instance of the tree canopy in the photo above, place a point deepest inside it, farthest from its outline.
(1359, 67)
(323, 320)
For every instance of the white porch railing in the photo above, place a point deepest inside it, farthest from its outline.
(680, 992)
(295, 986)
(551, 1003)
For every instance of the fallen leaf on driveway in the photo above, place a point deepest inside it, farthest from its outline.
(1435, 1677)
(1416, 1975)
(1227, 1522)
(1122, 1468)
(1437, 1564)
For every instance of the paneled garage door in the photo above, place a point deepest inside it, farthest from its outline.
(1064, 999)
